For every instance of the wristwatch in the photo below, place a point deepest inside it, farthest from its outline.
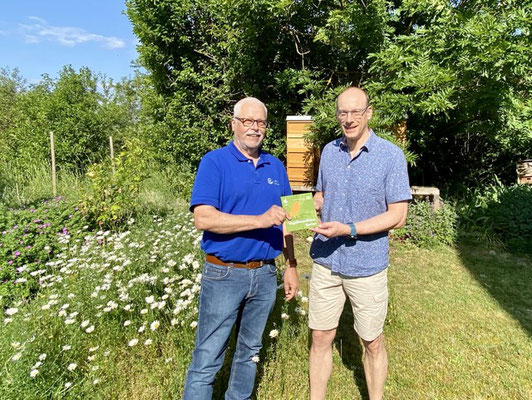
(292, 263)
(353, 234)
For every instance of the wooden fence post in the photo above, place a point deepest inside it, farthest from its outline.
(52, 152)
(112, 153)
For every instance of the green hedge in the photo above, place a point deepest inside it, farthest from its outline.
(502, 212)
(427, 227)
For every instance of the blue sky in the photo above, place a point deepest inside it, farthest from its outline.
(40, 36)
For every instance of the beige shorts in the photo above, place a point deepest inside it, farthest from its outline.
(368, 296)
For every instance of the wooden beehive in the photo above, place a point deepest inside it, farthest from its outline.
(524, 172)
(301, 159)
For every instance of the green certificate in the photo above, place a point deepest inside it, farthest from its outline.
(301, 209)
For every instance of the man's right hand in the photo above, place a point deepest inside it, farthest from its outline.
(274, 216)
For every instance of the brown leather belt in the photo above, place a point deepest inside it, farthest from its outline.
(249, 265)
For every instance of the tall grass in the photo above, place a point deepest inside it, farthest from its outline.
(23, 185)
(167, 187)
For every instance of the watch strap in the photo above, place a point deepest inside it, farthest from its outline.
(353, 231)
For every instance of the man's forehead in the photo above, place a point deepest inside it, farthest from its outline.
(352, 98)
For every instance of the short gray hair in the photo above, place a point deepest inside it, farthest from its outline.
(239, 103)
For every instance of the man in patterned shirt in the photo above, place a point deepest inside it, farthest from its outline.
(362, 193)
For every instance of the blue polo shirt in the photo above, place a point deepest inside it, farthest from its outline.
(230, 182)
(354, 190)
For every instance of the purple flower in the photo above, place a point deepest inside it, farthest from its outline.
(10, 262)
(15, 227)
(20, 242)
(32, 210)
(28, 247)
(17, 253)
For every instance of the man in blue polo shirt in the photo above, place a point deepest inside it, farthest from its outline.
(236, 201)
(363, 192)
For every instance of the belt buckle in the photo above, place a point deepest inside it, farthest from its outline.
(253, 264)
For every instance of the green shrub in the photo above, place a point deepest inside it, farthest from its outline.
(112, 196)
(504, 212)
(510, 217)
(427, 227)
(181, 179)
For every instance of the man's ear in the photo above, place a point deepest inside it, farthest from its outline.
(370, 112)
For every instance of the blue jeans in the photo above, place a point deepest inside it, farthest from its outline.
(226, 293)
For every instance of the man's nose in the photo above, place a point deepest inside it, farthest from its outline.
(350, 117)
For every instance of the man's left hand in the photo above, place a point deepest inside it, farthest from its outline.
(332, 229)
(291, 283)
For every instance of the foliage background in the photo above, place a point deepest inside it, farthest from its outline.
(456, 72)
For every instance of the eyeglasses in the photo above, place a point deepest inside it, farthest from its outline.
(342, 115)
(248, 122)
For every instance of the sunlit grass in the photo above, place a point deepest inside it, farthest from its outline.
(447, 336)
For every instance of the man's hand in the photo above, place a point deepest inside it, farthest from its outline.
(274, 216)
(318, 202)
(332, 229)
(291, 283)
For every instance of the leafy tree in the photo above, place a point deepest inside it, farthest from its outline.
(457, 73)
(205, 55)
(82, 109)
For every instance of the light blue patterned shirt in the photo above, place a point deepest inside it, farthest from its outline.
(355, 190)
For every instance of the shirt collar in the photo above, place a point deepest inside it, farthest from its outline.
(367, 146)
(263, 157)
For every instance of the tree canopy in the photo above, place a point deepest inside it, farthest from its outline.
(457, 73)
(82, 109)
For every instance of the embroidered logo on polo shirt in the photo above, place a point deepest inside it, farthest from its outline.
(273, 181)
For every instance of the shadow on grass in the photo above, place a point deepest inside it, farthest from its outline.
(350, 348)
(268, 345)
(507, 277)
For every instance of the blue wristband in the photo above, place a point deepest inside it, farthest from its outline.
(353, 234)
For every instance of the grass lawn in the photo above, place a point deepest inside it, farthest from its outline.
(459, 327)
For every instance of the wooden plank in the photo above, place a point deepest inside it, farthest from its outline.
(300, 163)
(298, 150)
(299, 187)
(296, 142)
(298, 127)
(301, 156)
(292, 177)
